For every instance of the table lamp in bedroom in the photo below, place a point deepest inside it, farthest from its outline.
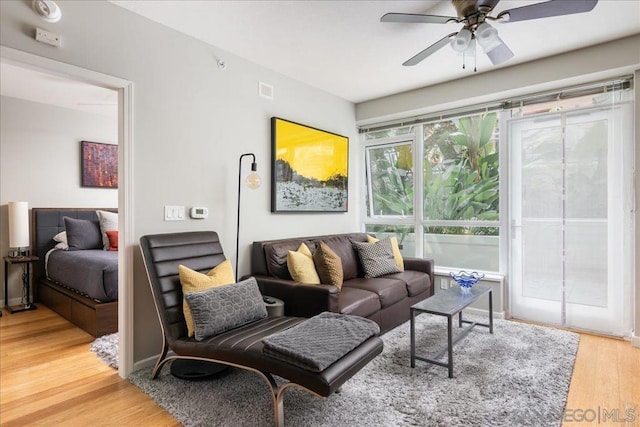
(18, 229)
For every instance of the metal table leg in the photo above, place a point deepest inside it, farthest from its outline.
(413, 337)
(450, 344)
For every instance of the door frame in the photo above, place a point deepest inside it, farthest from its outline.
(125, 183)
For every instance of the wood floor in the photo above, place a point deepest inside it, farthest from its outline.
(49, 377)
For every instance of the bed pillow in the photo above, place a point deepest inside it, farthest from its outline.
(82, 234)
(301, 267)
(222, 308)
(328, 265)
(396, 250)
(377, 258)
(113, 239)
(194, 281)
(61, 238)
(108, 222)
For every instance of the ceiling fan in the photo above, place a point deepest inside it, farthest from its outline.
(474, 14)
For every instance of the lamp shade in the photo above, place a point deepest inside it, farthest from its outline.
(18, 224)
(487, 37)
(461, 41)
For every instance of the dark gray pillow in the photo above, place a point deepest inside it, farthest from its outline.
(82, 234)
(222, 308)
(377, 258)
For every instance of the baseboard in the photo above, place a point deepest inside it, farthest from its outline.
(148, 362)
(635, 341)
(145, 363)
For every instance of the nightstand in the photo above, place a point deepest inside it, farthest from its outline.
(26, 262)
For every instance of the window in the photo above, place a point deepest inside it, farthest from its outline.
(461, 192)
(457, 199)
(553, 212)
(390, 179)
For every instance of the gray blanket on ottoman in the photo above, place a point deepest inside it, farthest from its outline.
(321, 340)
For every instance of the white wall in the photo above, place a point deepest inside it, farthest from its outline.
(612, 59)
(40, 162)
(191, 122)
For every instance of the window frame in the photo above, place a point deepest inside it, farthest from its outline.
(417, 220)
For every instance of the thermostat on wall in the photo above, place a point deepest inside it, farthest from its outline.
(199, 213)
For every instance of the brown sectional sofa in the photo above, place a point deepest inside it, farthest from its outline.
(385, 300)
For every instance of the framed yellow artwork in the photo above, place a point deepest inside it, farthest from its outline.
(310, 169)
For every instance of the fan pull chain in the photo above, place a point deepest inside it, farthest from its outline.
(464, 56)
(475, 60)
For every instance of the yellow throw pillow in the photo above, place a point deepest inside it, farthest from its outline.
(397, 256)
(193, 281)
(328, 265)
(301, 267)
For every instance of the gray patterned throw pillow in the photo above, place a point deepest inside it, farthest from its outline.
(220, 309)
(377, 258)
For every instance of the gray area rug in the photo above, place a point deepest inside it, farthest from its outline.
(106, 348)
(519, 376)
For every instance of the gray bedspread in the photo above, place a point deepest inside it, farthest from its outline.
(319, 341)
(93, 273)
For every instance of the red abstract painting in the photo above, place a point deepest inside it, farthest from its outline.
(99, 165)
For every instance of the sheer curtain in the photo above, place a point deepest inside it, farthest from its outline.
(571, 194)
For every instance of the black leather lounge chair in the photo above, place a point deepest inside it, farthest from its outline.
(240, 347)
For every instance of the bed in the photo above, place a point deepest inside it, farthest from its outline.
(79, 285)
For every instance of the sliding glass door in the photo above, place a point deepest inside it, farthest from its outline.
(570, 218)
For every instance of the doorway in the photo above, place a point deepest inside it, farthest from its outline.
(125, 254)
(570, 210)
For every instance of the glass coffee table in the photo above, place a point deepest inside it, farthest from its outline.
(448, 303)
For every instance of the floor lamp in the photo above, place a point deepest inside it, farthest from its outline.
(252, 181)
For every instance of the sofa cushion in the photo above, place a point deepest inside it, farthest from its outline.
(301, 266)
(223, 308)
(276, 256)
(194, 281)
(377, 258)
(388, 290)
(328, 265)
(416, 281)
(342, 245)
(397, 255)
(358, 302)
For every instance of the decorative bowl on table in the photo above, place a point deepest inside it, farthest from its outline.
(466, 280)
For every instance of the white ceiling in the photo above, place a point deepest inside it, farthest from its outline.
(338, 46)
(32, 85)
(343, 48)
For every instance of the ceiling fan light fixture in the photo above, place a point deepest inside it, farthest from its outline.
(471, 49)
(487, 37)
(461, 41)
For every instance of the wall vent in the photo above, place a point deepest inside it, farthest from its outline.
(265, 90)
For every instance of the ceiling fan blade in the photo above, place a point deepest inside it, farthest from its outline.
(428, 51)
(412, 18)
(500, 54)
(547, 9)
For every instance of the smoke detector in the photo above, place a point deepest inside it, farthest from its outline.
(47, 10)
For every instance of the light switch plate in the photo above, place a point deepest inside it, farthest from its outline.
(174, 213)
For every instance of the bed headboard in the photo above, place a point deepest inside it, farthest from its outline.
(47, 222)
